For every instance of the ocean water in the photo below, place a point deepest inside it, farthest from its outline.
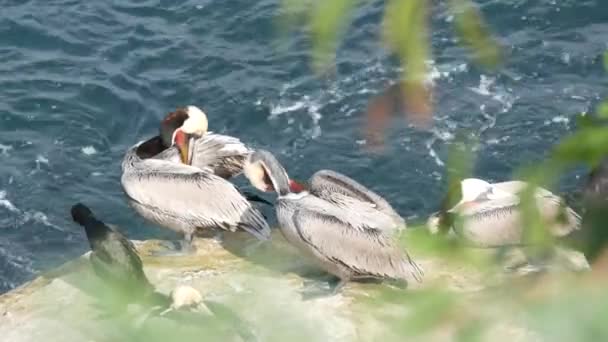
(81, 81)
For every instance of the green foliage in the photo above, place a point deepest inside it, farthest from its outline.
(325, 30)
(543, 305)
(405, 30)
(588, 145)
(473, 31)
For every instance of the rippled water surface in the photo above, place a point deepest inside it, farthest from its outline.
(80, 81)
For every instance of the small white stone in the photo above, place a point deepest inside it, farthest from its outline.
(185, 296)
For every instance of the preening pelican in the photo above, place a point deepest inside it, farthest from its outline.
(346, 193)
(185, 198)
(186, 129)
(335, 237)
(492, 218)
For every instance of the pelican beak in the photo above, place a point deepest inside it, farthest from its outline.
(182, 142)
(296, 187)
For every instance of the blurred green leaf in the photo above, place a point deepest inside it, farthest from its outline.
(460, 163)
(475, 34)
(472, 331)
(602, 110)
(588, 145)
(292, 12)
(585, 121)
(328, 20)
(405, 33)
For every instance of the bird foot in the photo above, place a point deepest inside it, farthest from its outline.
(313, 289)
(184, 249)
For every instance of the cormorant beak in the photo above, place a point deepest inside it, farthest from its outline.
(182, 141)
(296, 187)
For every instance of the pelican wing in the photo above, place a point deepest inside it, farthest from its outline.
(498, 221)
(222, 154)
(366, 251)
(364, 212)
(329, 185)
(512, 187)
(200, 198)
(515, 187)
(562, 220)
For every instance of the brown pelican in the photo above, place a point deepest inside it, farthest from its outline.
(339, 240)
(186, 128)
(185, 198)
(346, 193)
(492, 217)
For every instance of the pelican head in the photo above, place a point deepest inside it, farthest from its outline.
(179, 126)
(472, 188)
(266, 173)
(476, 190)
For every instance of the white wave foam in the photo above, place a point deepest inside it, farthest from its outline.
(506, 99)
(491, 119)
(499, 94)
(6, 203)
(443, 71)
(17, 261)
(313, 111)
(40, 159)
(26, 216)
(485, 83)
(443, 135)
(40, 217)
(286, 108)
(432, 153)
(312, 107)
(5, 148)
(560, 119)
(290, 98)
(496, 141)
(88, 150)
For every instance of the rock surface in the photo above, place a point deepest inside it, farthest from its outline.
(260, 281)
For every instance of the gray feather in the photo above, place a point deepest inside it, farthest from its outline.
(222, 154)
(185, 198)
(336, 187)
(344, 245)
(498, 222)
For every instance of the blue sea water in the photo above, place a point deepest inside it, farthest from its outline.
(81, 81)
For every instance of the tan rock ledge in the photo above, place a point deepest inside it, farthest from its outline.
(260, 281)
